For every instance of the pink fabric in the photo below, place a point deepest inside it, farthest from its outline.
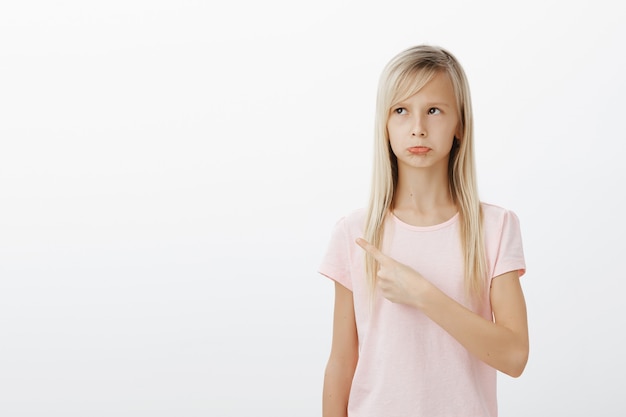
(409, 366)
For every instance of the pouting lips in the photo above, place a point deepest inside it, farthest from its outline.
(419, 150)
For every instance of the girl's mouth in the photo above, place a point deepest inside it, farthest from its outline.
(419, 150)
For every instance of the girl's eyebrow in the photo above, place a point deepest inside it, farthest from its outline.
(427, 104)
(438, 104)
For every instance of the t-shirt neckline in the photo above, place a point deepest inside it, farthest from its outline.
(433, 227)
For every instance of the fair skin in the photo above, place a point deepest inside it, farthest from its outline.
(343, 356)
(421, 133)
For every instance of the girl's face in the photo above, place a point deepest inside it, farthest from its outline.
(422, 128)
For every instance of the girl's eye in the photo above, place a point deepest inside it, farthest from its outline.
(434, 110)
(400, 110)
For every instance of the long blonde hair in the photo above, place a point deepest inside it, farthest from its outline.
(402, 77)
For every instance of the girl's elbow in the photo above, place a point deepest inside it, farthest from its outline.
(517, 363)
(515, 371)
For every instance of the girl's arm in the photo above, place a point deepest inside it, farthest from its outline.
(502, 344)
(343, 356)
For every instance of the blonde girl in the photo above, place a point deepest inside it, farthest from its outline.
(428, 301)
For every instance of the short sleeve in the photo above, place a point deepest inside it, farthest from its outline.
(510, 255)
(336, 262)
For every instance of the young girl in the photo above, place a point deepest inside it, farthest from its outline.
(428, 303)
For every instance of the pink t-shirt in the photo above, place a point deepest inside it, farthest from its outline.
(409, 366)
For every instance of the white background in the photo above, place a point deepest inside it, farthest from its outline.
(170, 172)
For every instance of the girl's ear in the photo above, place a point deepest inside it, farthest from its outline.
(458, 135)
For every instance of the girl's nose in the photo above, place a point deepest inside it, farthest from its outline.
(418, 129)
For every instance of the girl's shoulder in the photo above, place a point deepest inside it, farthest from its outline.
(496, 218)
(353, 221)
(491, 210)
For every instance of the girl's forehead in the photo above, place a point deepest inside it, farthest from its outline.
(438, 86)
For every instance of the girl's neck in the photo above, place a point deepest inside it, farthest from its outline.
(424, 199)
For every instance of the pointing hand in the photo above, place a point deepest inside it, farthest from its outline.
(399, 283)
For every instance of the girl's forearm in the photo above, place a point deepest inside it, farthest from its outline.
(336, 391)
(496, 345)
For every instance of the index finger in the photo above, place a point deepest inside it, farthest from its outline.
(372, 250)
